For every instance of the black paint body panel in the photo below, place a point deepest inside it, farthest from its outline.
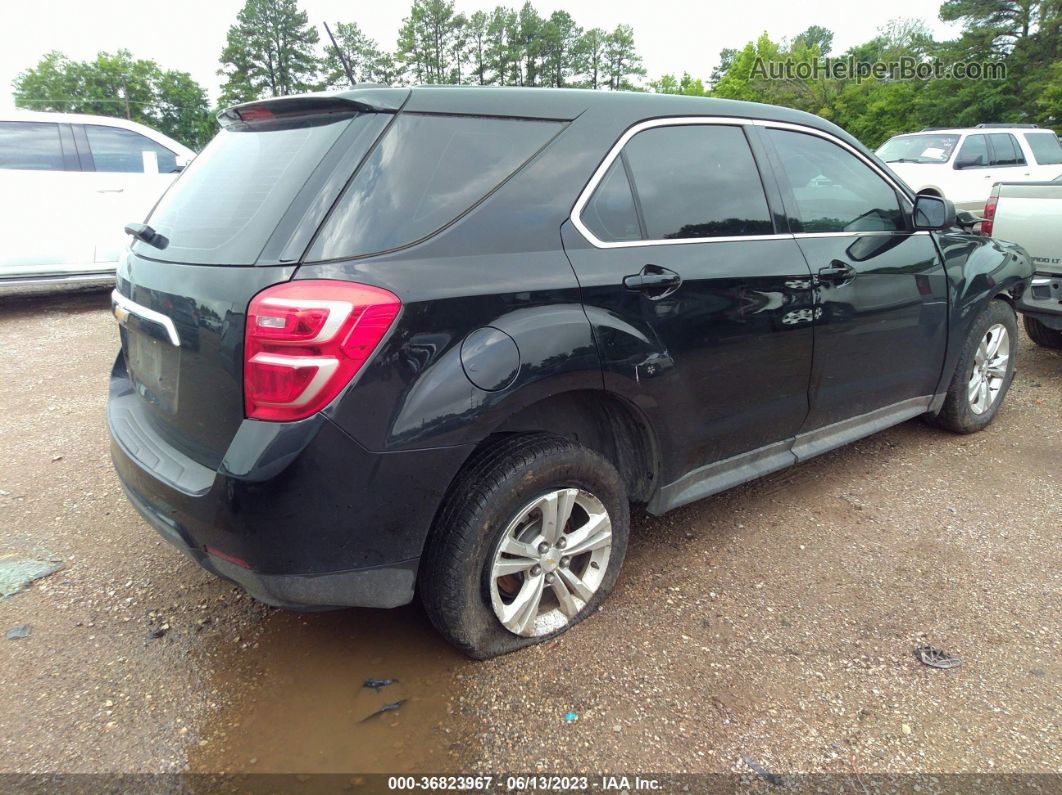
(750, 353)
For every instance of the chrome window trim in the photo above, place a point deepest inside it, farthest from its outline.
(868, 233)
(729, 121)
(133, 308)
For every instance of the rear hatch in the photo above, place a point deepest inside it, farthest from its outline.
(234, 223)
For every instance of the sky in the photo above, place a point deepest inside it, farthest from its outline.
(671, 35)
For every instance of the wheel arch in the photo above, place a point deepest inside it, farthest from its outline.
(600, 420)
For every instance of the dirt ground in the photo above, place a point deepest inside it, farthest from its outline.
(776, 621)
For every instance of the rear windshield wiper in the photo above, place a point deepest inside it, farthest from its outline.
(146, 234)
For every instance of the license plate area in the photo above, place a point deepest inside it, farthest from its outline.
(154, 368)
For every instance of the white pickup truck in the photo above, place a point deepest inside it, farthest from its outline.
(1030, 214)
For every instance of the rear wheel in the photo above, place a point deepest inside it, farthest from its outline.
(529, 544)
(1041, 334)
(984, 372)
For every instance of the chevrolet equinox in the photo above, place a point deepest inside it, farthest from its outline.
(436, 340)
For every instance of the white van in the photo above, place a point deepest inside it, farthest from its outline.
(963, 164)
(69, 183)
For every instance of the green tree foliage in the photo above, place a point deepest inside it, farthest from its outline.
(367, 61)
(510, 46)
(270, 51)
(1024, 36)
(622, 60)
(119, 85)
(686, 85)
(590, 54)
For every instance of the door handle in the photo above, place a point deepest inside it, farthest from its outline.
(110, 190)
(653, 280)
(836, 271)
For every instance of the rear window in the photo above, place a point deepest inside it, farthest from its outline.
(1045, 148)
(224, 207)
(426, 171)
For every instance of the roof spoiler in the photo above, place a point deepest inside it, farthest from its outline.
(285, 110)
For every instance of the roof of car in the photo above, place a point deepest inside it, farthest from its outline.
(570, 103)
(978, 130)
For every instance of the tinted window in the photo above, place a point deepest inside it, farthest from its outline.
(115, 149)
(834, 190)
(918, 148)
(424, 172)
(226, 204)
(610, 214)
(697, 181)
(30, 145)
(1045, 148)
(1005, 150)
(974, 152)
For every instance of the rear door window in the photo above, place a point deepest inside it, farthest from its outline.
(30, 146)
(425, 171)
(118, 150)
(697, 181)
(834, 190)
(1005, 150)
(1045, 148)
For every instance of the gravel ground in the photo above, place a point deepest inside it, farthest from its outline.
(776, 621)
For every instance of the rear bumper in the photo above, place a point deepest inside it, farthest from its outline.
(1043, 299)
(298, 514)
(378, 586)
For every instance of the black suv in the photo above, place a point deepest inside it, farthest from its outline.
(437, 340)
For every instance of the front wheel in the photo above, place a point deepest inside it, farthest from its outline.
(984, 372)
(529, 544)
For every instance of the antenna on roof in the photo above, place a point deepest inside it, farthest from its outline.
(342, 57)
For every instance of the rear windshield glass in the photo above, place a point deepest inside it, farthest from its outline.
(918, 148)
(425, 171)
(226, 204)
(1045, 148)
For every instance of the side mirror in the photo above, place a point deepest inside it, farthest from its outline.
(933, 212)
(968, 162)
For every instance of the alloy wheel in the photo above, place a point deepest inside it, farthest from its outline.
(989, 368)
(550, 561)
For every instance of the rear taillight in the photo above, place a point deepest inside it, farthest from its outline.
(305, 340)
(990, 213)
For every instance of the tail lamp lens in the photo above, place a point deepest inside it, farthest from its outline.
(989, 215)
(305, 340)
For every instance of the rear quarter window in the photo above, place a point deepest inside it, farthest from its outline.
(1045, 148)
(425, 171)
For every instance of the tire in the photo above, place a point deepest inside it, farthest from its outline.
(960, 412)
(496, 499)
(1041, 334)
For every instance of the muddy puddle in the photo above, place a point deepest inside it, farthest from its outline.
(297, 703)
